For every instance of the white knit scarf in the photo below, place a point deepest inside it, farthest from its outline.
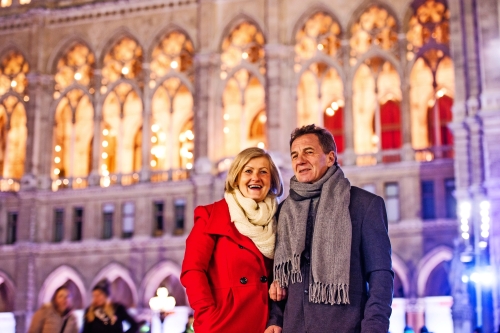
(254, 220)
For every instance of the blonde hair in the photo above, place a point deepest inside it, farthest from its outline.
(239, 163)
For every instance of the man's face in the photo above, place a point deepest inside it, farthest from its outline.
(309, 162)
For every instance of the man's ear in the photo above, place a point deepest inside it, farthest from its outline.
(330, 159)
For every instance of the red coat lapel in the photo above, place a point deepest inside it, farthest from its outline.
(220, 223)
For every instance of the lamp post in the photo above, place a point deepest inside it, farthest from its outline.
(162, 304)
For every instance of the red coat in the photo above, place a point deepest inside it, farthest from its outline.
(225, 275)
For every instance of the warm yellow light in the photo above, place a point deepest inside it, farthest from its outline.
(105, 132)
(441, 93)
(174, 64)
(155, 128)
(163, 136)
(189, 135)
(105, 173)
(125, 70)
(105, 143)
(26, 98)
(182, 137)
(226, 130)
(263, 118)
(78, 76)
(335, 106)
(226, 116)
(153, 163)
(58, 148)
(104, 167)
(13, 84)
(244, 55)
(330, 112)
(320, 47)
(154, 139)
(57, 159)
(261, 145)
(104, 155)
(189, 155)
(57, 171)
(24, 2)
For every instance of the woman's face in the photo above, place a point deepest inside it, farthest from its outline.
(99, 298)
(254, 180)
(62, 300)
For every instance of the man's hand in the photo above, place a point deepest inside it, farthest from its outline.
(276, 293)
(273, 329)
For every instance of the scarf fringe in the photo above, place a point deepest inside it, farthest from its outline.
(329, 293)
(288, 272)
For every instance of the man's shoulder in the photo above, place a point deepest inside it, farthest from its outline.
(361, 197)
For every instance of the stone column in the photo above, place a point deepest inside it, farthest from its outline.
(407, 150)
(94, 177)
(279, 58)
(202, 107)
(147, 95)
(349, 156)
(39, 120)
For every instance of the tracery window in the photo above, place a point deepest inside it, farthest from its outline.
(121, 139)
(376, 111)
(13, 131)
(121, 124)
(175, 52)
(243, 99)
(244, 95)
(74, 118)
(244, 43)
(13, 136)
(75, 67)
(431, 80)
(428, 26)
(172, 126)
(320, 100)
(124, 60)
(320, 33)
(13, 71)
(375, 27)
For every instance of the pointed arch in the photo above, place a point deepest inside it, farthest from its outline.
(154, 278)
(63, 46)
(164, 31)
(324, 59)
(376, 53)
(252, 70)
(356, 14)
(181, 76)
(401, 269)
(428, 263)
(112, 86)
(7, 293)
(237, 20)
(12, 46)
(113, 272)
(57, 278)
(109, 42)
(318, 7)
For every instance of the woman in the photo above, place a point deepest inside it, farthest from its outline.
(104, 316)
(56, 316)
(229, 252)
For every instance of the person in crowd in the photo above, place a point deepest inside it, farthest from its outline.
(332, 246)
(56, 316)
(105, 316)
(229, 252)
(189, 325)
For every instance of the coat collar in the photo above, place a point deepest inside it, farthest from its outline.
(219, 223)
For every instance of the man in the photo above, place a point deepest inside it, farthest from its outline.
(332, 251)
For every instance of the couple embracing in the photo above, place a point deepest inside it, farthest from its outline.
(320, 261)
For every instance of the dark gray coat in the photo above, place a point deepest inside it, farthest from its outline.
(371, 280)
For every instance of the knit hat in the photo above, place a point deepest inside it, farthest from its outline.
(103, 286)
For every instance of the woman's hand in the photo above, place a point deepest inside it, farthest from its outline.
(276, 293)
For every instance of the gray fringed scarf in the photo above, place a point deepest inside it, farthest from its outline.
(331, 241)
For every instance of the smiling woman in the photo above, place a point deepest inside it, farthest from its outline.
(228, 259)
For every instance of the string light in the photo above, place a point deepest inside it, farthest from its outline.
(174, 64)
(464, 213)
(244, 55)
(125, 70)
(484, 207)
(57, 148)
(78, 76)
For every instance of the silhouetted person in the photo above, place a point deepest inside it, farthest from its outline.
(104, 316)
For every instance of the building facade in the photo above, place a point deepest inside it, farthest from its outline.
(119, 117)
